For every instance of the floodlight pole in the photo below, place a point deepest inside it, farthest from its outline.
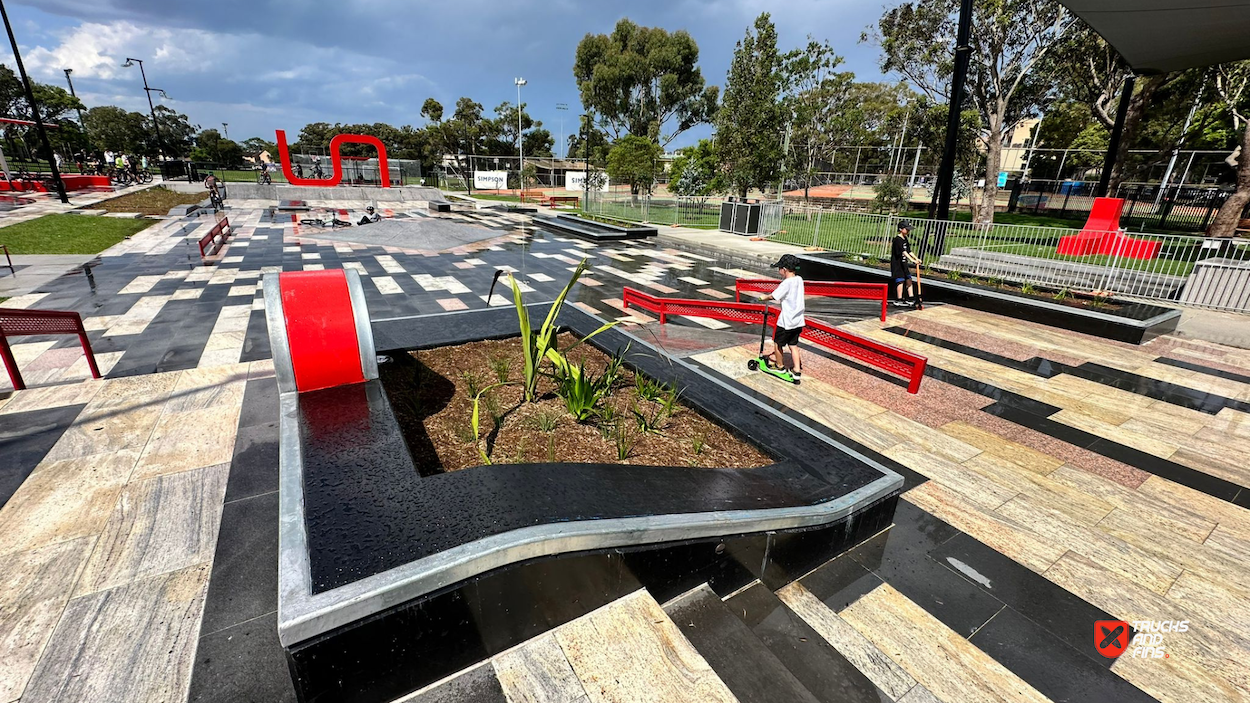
(160, 148)
(963, 53)
(1117, 134)
(563, 109)
(34, 108)
(520, 143)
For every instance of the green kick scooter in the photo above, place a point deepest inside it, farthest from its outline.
(760, 363)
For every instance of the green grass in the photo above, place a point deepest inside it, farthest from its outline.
(492, 196)
(247, 176)
(69, 234)
(1009, 218)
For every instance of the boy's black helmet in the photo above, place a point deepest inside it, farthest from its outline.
(787, 261)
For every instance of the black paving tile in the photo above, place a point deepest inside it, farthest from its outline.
(820, 668)
(840, 582)
(1191, 366)
(260, 402)
(749, 668)
(478, 685)
(242, 664)
(900, 558)
(1047, 663)
(254, 468)
(244, 582)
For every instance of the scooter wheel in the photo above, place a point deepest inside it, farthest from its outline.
(753, 364)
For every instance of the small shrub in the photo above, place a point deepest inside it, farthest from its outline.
(1063, 294)
(501, 365)
(872, 261)
(1028, 289)
(581, 391)
(648, 389)
(995, 281)
(624, 438)
(891, 195)
(491, 402)
(700, 441)
(546, 422)
(472, 384)
(520, 452)
(954, 276)
(1098, 301)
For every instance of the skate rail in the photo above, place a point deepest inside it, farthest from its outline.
(884, 357)
(821, 289)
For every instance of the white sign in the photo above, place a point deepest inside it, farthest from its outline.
(490, 180)
(576, 181)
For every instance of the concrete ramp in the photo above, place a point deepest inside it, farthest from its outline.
(276, 192)
(426, 233)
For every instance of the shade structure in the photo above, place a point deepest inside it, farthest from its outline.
(1159, 36)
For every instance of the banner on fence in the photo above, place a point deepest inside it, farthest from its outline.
(576, 181)
(490, 180)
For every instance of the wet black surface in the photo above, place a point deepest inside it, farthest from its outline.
(1219, 373)
(369, 510)
(25, 439)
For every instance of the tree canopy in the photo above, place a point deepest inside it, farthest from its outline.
(750, 122)
(636, 161)
(643, 81)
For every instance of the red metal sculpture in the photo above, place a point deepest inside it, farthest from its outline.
(336, 160)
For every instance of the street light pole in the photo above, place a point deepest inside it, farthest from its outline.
(520, 143)
(226, 127)
(563, 109)
(160, 148)
(34, 108)
(72, 94)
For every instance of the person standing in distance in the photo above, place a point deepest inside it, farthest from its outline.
(900, 259)
(791, 321)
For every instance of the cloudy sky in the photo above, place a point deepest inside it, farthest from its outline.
(262, 65)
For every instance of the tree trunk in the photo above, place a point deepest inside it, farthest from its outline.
(1132, 120)
(1225, 222)
(993, 162)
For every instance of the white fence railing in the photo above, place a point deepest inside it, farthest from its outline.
(1193, 271)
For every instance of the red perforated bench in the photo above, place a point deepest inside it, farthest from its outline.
(876, 354)
(24, 323)
(212, 242)
(822, 289)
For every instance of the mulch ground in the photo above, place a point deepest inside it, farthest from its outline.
(430, 393)
(153, 201)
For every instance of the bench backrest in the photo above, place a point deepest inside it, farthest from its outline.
(19, 323)
(209, 241)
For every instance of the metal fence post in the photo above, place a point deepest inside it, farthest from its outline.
(816, 232)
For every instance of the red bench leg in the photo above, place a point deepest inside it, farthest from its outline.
(10, 365)
(86, 349)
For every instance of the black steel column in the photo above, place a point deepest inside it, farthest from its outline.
(1117, 134)
(963, 52)
(34, 108)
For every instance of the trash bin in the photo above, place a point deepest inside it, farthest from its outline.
(740, 216)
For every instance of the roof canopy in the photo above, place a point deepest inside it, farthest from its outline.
(1159, 36)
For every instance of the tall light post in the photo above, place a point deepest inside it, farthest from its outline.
(74, 95)
(160, 148)
(34, 108)
(225, 126)
(563, 108)
(520, 144)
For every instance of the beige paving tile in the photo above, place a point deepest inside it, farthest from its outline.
(52, 397)
(934, 655)
(648, 659)
(189, 440)
(64, 500)
(931, 440)
(1001, 534)
(34, 587)
(1180, 522)
(106, 431)
(919, 694)
(1223, 541)
(884, 672)
(1214, 601)
(1074, 504)
(1110, 552)
(968, 484)
(538, 672)
(1143, 442)
(1229, 462)
(1025, 457)
(145, 630)
(159, 525)
(1234, 519)
(1205, 665)
(1194, 557)
(202, 388)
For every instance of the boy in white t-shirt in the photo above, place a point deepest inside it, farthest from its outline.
(790, 324)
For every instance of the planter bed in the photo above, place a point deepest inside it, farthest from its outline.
(1123, 321)
(391, 573)
(596, 231)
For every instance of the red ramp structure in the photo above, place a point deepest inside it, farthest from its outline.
(1103, 235)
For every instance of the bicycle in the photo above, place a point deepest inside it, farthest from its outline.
(263, 178)
(143, 176)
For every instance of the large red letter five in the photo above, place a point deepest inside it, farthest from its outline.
(335, 159)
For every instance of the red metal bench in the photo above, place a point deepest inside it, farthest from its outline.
(23, 323)
(823, 289)
(554, 200)
(209, 241)
(890, 359)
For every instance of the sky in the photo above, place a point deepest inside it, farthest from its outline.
(261, 65)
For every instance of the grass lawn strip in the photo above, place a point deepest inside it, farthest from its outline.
(69, 234)
(152, 201)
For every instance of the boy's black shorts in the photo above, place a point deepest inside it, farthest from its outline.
(787, 338)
